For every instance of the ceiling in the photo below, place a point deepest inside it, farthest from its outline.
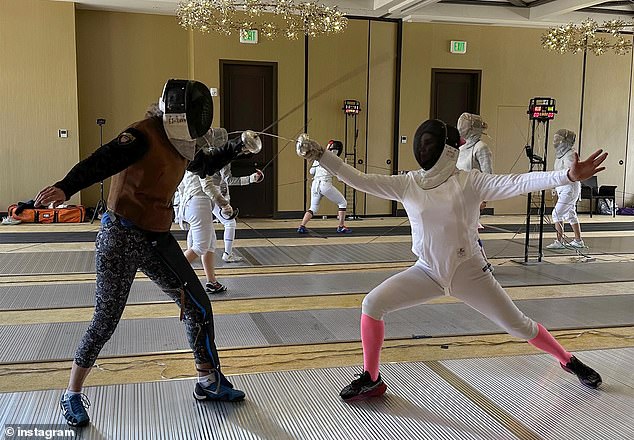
(531, 13)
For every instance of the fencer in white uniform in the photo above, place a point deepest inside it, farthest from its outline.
(223, 180)
(567, 195)
(197, 196)
(322, 187)
(442, 205)
(474, 153)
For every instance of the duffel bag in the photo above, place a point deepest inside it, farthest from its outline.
(69, 214)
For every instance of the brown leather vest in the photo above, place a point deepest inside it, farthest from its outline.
(143, 192)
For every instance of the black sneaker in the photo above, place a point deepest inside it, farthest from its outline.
(586, 375)
(363, 388)
(215, 288)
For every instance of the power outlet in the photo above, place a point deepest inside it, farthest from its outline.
(403, 139)
(62, 133)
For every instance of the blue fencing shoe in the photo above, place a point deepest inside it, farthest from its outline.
(74, 409)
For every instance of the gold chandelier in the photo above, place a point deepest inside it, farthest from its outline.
(229, 16)
(589, 36)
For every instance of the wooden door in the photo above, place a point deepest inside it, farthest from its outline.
(248, 101)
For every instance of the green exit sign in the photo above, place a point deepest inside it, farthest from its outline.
(458, 47)
(249, 36)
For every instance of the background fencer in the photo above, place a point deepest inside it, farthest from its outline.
(197, 196)
(474, 153)
(223, 179)
(442, 205)
(567, 195)
(322, 187)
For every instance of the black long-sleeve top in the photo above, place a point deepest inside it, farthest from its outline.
(129, 147)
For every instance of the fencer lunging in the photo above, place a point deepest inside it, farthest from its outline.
(442, 207)
(567, 195)
(147, 161)
(322, 187)
(223, 179)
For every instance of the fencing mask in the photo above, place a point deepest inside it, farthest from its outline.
(187, 113)
(436, 151)
(471, 126)
(335, 146)
(563, 140)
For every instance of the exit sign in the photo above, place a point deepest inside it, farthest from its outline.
(458, 47)
(249, 36)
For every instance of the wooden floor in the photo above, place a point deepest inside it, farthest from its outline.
(19, 377)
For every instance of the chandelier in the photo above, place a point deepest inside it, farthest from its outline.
(589, 36)
(270, 18)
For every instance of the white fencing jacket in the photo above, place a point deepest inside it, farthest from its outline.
(564, 163)
(320, 173)
(444, 219)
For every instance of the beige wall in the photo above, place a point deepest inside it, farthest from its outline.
(209, 49)
(38, 86)
(122, 61)
(605, 115)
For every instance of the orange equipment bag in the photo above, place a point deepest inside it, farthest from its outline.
(70, 214)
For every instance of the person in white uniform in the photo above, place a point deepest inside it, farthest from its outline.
(567, 195)
(322, 187)
(223, 180)
(474, 153)
(197, 197)
(442, 205)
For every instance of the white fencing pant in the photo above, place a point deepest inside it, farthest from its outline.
(474, 286)
(230, 229)
(201, 237)
(566, 208)
(326, 189)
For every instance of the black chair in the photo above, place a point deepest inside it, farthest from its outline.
(590, 190)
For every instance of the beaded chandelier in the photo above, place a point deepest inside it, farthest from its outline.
(589, 36)
(293, 19)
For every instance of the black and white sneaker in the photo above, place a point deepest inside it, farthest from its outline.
(363, 388)
(215, 288)
(586, 375)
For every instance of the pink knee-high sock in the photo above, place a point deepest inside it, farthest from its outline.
(546, 342)
(372, 334)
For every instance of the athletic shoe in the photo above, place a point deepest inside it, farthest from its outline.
(586, 375)
(343, 230)
(577, 244)
(231, 258)
(218, 391)
(10, 221)
(214, 288)
(74, 409)
(556, 245)
(363, 388)
(302, 230)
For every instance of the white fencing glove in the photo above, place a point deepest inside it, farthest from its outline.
(227, 210)
(256, 177)
(307, 148)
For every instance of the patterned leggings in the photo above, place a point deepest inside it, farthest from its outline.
(121, 251)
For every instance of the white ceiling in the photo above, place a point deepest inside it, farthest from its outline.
(533, 13)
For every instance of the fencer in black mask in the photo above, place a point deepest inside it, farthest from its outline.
(442, 205)
(436, 151)
(147, 161)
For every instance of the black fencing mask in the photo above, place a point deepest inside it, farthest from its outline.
(335, 146)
